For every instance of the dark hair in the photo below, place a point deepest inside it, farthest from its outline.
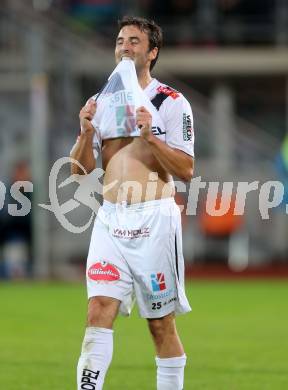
(153, 31)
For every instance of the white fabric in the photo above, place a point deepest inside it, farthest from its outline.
(117, 103)
(170, 373)
(175, 113)
(137, 250)
(172, 123)
(96, 356)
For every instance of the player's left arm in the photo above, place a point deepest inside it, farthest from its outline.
(176, 155)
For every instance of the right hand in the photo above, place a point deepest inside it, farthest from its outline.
(86, 115)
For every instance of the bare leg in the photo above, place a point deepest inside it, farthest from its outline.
(165, 336)
(171, 358)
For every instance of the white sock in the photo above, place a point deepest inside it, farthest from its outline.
(170, 373)
(96, 356)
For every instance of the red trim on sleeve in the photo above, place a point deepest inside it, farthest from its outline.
(168, 91)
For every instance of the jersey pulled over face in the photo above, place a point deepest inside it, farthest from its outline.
(172, 118)
(118, 101)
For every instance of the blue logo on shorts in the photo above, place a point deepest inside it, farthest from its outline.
(158, 282)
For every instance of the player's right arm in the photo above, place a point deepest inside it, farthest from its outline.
(82, 151)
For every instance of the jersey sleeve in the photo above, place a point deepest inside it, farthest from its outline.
(179, 125)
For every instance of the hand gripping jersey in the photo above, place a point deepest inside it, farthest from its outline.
(172, 119)
(117, 103)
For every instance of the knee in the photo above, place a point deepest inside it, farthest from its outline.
(162, 328)
(102, 312)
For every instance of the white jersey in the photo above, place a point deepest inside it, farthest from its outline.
(172, 118)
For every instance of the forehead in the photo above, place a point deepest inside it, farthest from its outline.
(132, 31)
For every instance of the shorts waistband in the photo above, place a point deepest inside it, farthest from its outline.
(108, 206)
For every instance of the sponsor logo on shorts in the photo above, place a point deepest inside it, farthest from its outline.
(159, 305)
(103, 272)
(158, 281)
(187, 128)
(161, 295)
(131, 234)
(89, 379)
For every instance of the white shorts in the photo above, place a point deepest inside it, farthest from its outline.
(136, 252)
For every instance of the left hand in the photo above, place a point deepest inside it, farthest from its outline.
(144, 122)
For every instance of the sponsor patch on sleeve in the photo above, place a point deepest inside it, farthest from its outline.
(168, 91)
(187, 127)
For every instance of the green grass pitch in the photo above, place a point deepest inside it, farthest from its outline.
(236, 338)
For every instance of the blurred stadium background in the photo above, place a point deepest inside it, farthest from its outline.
(229, 57)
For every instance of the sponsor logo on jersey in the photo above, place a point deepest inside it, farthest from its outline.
(158, 281)
(103, 272)
(187, 127)
(168, 91)
(131, 234)
(157, 131)
(121, 98)
(125, 119)
(89, 379)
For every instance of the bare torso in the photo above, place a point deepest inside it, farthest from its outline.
(130, 163)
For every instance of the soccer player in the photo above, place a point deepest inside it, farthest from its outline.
(136, 244)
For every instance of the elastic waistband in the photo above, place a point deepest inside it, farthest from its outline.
(108, 206)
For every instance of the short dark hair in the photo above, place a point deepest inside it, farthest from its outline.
(150, 27)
